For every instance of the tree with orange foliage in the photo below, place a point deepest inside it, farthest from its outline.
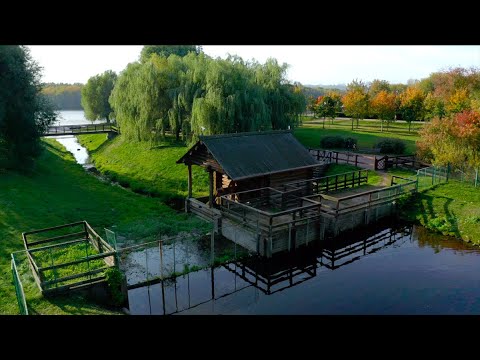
(356, 101)
(454, 140)
(383, 105)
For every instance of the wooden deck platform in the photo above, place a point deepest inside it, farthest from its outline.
(273, 220)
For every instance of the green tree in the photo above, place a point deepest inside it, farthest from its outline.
(434, 107)
(378, 85)
(167, 50)
(95, 95)
(24, 113)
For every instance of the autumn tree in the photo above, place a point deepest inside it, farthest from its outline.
(411, 104)
(383, 105)
(454, 140)
(458, 101)
(356, 101)
(95, 96)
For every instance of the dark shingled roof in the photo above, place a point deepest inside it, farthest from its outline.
(245, 155)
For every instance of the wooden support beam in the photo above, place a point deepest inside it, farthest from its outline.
(210, 188)
(189, 181)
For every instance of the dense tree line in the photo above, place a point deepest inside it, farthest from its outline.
(192, 94)
(25, 112)
(442, 94)
(64, 96)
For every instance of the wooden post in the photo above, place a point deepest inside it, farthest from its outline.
(337, 158)
(210, 188)
(189, 181)
(356, 160)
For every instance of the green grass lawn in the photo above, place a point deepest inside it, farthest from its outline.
(451, 209)
(371, 125)
(59, 191)
(309, 134)
(146, 169)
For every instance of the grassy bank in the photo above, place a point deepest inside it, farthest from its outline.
(146, 169)
(450, 209)
(58, 191)
(310, 134)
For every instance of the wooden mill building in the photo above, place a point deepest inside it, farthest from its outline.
(268, 193)
(247, 161)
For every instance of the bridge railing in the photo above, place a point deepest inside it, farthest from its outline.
(80, 129)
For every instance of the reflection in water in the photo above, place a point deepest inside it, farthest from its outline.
(268, 276)
(394, 270)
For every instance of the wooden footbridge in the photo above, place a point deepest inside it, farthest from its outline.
(81, 129)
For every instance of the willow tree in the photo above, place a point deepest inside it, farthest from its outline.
(141, 101)
(167, 50)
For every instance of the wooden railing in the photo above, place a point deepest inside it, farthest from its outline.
(339, 157)
(80, 129)
(325, 184)
(256, 215)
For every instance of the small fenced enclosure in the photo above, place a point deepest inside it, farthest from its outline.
(17, 282)
(67, 257)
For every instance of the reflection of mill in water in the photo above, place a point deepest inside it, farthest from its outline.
(249, 277)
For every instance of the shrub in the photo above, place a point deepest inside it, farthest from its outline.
(391, 146)
(338, 142)
(350, 143)
(114, 279)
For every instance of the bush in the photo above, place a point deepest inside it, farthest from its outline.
(114, 280)
(350, 143)
(391, 146)
(338, 142)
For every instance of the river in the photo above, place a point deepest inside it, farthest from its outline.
(74, 117)
(391, 269)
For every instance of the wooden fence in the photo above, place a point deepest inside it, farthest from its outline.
(43, 270)
(339, 157)
(408, 161)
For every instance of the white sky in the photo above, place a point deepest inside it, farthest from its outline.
(315, 64)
